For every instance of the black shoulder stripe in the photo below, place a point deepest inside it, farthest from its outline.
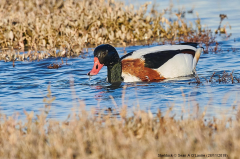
(128, 54)
(157, 59)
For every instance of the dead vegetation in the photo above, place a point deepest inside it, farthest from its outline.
(221, 29)
(224, 77)
(104, 135)
(56, 65)
(71, 25)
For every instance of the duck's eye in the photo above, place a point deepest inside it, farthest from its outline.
(97, 67)
(104, 53)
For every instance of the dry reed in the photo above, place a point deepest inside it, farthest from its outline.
(71, 25)
(96, 135)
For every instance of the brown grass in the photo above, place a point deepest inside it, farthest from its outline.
(71, 25)
(97, 135)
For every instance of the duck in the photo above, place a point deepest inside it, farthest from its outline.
(148, 64)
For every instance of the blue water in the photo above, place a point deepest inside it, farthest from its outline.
(24, 86)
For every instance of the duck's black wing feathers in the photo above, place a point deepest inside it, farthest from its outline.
(157, 59)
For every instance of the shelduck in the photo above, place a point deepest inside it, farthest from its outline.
(148, 64)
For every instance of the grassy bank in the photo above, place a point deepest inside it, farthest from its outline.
(71, 25)
(144, 135)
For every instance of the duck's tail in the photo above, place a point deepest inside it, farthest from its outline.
(196, 57)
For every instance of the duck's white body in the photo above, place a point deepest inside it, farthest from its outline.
(182, 62)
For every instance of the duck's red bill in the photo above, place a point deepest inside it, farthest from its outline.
(96, 67)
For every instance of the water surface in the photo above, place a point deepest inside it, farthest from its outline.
(24, 86)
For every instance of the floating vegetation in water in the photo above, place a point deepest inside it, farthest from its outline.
(70, 26)
(56, 65)
(220, 78)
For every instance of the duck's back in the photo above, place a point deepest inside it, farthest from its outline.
(160, 62)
